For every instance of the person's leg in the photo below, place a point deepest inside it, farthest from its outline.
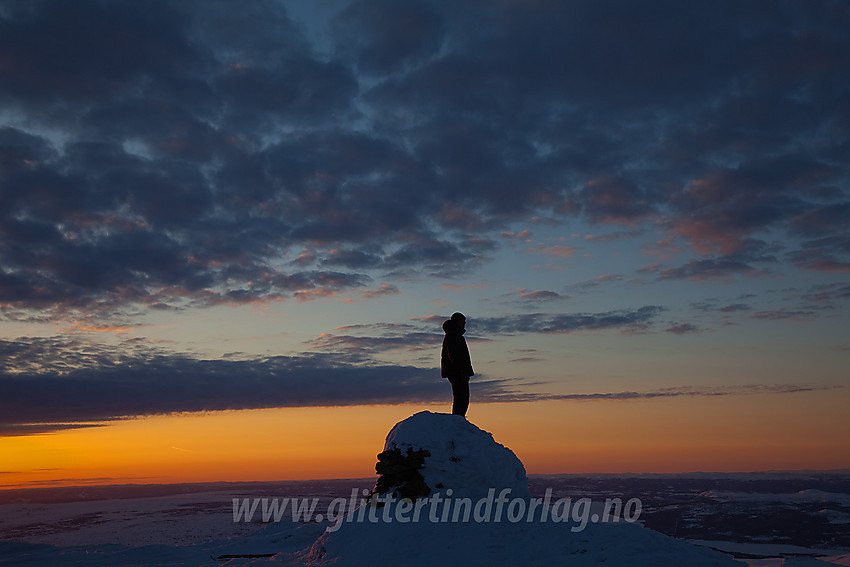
(460, 393)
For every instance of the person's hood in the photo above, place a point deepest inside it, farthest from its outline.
(450, 327)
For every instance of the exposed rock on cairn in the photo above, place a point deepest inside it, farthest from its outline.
(400, 473)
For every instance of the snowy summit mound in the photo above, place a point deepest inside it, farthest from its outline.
(429, 453)
(449, 494)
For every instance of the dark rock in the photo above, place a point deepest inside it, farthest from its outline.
(400, 473)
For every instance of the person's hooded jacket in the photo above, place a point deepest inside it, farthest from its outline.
(454, 358)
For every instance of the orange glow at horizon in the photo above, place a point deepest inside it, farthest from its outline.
(717, 434)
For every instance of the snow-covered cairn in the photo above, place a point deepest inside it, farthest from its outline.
(416, 517)
(431, 453)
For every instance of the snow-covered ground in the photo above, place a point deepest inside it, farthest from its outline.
(191, 529)
(804, 496)
(183, 519)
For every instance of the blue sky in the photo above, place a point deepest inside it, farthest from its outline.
(628, 200)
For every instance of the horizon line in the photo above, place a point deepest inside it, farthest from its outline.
(685, 474)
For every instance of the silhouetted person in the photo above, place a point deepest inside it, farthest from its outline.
(455, 363)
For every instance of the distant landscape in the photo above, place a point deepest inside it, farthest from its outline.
(809, 510)
(751, 515)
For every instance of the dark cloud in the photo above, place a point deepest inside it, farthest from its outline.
(675, 392)
(407, 337)
(23, 429)
(734, 307)
(357, 259)
(826, 220)
(708, 269)
(363, 345)
(719, 212)
(384, 37)
(372, 339)
(384, 290)
(528, 297)
(174, 150)
(540, 295)
(784, 313)
(89, 51)
(56, 381)
(53, 384)
(19, 149)
(683, 329)
(709, 306)
(796, 304)
(614, 200)
(624, 320)
(440, 257)
(824, 255)
(425, 334)
(827, 294)
(747, 258)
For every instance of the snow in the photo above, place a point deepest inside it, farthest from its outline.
(790, 562)
(470, 463)
(168, 520)
(463, 457)
(763, 549)
(803, 496)
(835, 516)
(427, 544)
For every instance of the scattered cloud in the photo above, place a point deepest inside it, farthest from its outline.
(734, 307)
(558, 250)
(614, 236)
(709, 306)
(706, 391)
(827, 294)
(614, 199)
(385, 289)
(708, 269)
(683, 329)
(782, 314)
(824, 255)
(624, 320)
(66, 382)
(356, 344)
(226, 141)
(24, 429)
(541, 295)
(524, 235)
(81, 327)
(531, 297)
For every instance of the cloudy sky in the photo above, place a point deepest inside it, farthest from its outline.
(642, 207)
